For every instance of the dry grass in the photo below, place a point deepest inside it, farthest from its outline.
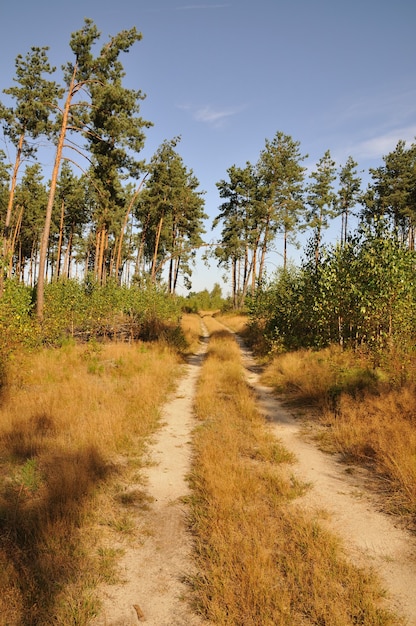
(211, 322)
(191, 328)
(236, 322)
(260, 560)
(366, 416)
(72, 423)
(380, 432)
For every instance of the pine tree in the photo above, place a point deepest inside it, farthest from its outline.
(282, 178)
(348, 194)
(392, 195)
(170, 214)
(321, 199)
(100, 112)
(36, 98)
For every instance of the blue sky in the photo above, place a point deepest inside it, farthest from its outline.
(226, 75)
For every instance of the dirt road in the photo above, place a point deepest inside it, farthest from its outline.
(154, 591)
(340, 499)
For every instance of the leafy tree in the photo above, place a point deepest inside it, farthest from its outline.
(321, 199)
(361, 294)
(35, 99)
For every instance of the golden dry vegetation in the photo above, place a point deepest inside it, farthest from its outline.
(366, 414)
(260, 560)
(73, 427)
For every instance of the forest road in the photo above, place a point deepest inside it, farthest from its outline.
(153, 565)
(153, 590)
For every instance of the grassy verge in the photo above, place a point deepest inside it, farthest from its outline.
(260, 560)
(73, 429)
(368, 415)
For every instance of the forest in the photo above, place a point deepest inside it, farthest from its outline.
(108, 233)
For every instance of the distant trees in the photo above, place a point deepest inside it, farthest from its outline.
(170, 214)
(261, 201)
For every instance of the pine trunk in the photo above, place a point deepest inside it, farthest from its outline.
(49, 208)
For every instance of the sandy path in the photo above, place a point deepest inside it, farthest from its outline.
(153, 591)
(153, 568)
(371, 537)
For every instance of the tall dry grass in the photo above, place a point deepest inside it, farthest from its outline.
(192, 331)
(236, 322)
(71, 423)
(259, 559)
(368, 416)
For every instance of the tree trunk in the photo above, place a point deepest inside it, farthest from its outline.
(67, 263)
(285, 250)
(124, 226)
(234, 281)
(6, 231)
(61, 236)
(49, 208)
(101, 246)
(14, 239)
(176, 273)
(159, 230)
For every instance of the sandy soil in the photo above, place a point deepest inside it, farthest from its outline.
(153, 568)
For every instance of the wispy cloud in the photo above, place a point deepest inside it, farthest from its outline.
(208, 114)
(386, 142)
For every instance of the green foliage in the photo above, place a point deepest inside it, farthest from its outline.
(361, 294)
(205, 300)
(16, 323)
(88, 310)
(77, 310)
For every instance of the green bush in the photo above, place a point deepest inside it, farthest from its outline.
(17, 325)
